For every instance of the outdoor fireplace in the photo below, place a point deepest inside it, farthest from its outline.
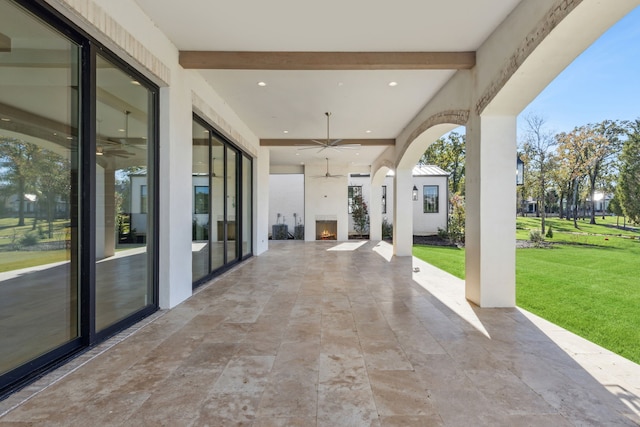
(326, 230)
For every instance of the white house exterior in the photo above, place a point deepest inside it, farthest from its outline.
(430, 210)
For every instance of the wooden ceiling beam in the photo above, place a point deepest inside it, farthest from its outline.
(239, 60)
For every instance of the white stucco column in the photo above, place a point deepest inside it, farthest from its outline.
(375, 212)
(490, 208)
(402, 213)
(176, 188)
(261, 200)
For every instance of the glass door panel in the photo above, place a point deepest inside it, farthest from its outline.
(246, 206)
(217, 203)
(232, 205)
(39, 110)
(122, 191)
(201, 204)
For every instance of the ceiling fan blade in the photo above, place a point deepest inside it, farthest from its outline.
(334, 143)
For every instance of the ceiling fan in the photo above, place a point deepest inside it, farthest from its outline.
(328, 174)
(328, 143)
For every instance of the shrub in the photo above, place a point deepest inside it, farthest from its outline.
(457, 220)
(536, 237)
(29, 239)
(387, 229)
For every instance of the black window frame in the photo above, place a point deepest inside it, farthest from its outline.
(424, 199)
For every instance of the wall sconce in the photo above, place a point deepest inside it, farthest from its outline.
(414, 193)
(519, 171)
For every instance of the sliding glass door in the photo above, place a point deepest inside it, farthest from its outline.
(124, 118)
(222, 199)
(39, 143)
(78, 257)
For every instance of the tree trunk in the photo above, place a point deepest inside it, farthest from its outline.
(575, 204)
(20, 201)
(592, 191)
(561, 208)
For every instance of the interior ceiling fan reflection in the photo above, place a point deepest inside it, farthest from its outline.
(328, 143)
(120, 147)
(327, 173)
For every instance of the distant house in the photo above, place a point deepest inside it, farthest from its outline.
(430, 198)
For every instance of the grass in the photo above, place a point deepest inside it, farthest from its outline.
(11, 235)
(22, 259)
(586, 283)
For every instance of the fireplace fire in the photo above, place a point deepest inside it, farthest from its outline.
(326, 230)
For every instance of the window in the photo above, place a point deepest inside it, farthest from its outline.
(201, 199)
(384, 199)
(430, 193)
(354, 191)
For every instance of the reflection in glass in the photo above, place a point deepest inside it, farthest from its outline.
(232, 204)
(246, 206)
(38, 184)
(201, 202)
(122, 187)
(217, 203)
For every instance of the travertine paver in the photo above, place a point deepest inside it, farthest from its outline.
(303, 336)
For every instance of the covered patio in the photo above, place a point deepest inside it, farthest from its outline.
(335, 334)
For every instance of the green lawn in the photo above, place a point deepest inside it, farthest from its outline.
(586, 283)
(11, 235)
(23, 259)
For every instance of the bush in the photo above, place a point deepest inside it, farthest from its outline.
(29, 239)
(387, 229)
(536, 237)
(549, 233)
(457, 220)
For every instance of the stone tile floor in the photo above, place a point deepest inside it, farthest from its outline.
(336, 334)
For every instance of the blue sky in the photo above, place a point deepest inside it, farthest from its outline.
(602, 83)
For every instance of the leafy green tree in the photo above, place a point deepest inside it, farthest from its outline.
(628, 189)
(600, 150)
(615, 208)
(360, 214)
(448, 154)
(53, 183)
(18, 166)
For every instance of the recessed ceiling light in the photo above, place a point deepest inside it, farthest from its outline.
(367, 131)
(285, 131)
(4, 119)
(262, 84)
(392, 84)
(121, 130)
(297, 154)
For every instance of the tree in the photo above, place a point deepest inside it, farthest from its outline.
(448, 154)
(538, 148)
(360, 214)
(18, 160)
(53, 183)
(600, 148)
(615, 208)
(628, 189)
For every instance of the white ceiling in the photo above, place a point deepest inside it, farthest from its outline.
(295, 101)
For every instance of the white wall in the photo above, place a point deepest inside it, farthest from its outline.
(325, 198)
(286, 197)
(423, 223)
